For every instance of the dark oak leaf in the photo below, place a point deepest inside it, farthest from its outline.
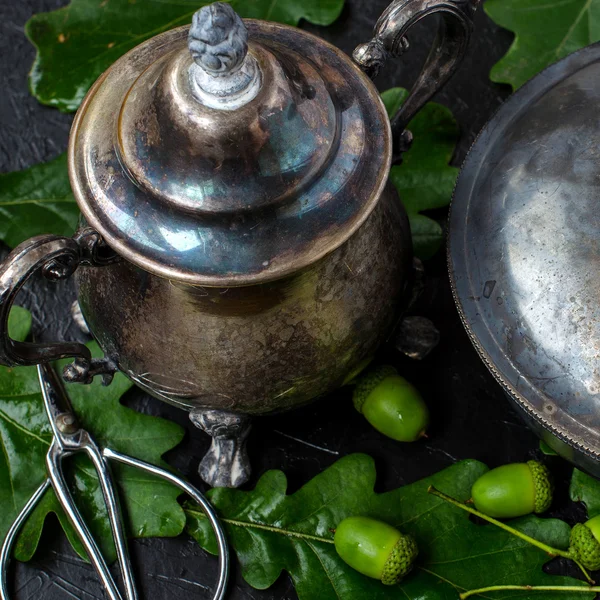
(272, 532)
(77, 43)
(545, 31)
(425, 180)
(36, 201)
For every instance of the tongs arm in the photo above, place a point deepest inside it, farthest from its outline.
(70, 438)
(11, 536)
(191, 491)
(61, 488)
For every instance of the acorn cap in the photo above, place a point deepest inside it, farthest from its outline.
(400, 561)
(542, 482)
(368, 382)
(585, 546)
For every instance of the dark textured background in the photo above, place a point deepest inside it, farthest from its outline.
(471, 417)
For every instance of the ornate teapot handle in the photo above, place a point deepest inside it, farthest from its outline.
(57, 258)
(448, 50)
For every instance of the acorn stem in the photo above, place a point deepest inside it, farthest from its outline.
(553, 552)
(584, 589)
(585, 572)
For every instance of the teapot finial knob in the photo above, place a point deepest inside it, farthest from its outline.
(218, 38)
(223, 75)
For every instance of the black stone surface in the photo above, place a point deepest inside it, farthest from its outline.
(471, 417)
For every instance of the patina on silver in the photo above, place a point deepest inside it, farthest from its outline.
(524, 251)
(390, 41)
(233, 180)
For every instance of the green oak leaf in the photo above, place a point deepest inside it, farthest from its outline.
(545, 31)
(586, 489)
(19, 323)
(425, 180)
(545, 449)
(36, 201)
(272, 532)
(150, 504)
(77, 43)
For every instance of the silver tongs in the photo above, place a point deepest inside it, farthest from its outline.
(69, 438)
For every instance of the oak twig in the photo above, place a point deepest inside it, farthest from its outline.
(549, 550)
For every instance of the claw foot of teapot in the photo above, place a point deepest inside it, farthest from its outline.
(226, 463)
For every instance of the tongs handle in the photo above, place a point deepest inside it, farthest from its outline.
(70, 439)
(65, 498)
(191, 491)
(80, 526)
(11, 536)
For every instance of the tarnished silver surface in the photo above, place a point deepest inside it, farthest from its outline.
(524, 252)
(78, 317)
(390, 41)
(260, 348)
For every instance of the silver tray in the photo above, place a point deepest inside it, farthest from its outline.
(524, 253)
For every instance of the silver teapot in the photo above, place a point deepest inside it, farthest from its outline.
(240, 249)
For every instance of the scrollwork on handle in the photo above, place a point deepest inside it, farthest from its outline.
(57, 258)
(82, 370)
(389, 41)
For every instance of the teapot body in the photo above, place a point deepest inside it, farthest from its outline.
(260, 348)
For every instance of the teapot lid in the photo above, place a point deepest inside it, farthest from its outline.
(230, 152)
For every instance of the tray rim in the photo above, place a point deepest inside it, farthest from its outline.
(509, 110)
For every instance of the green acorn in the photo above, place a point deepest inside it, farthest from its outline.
(585, 543)
(375, 549)
(391, 404)
(513, 490)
